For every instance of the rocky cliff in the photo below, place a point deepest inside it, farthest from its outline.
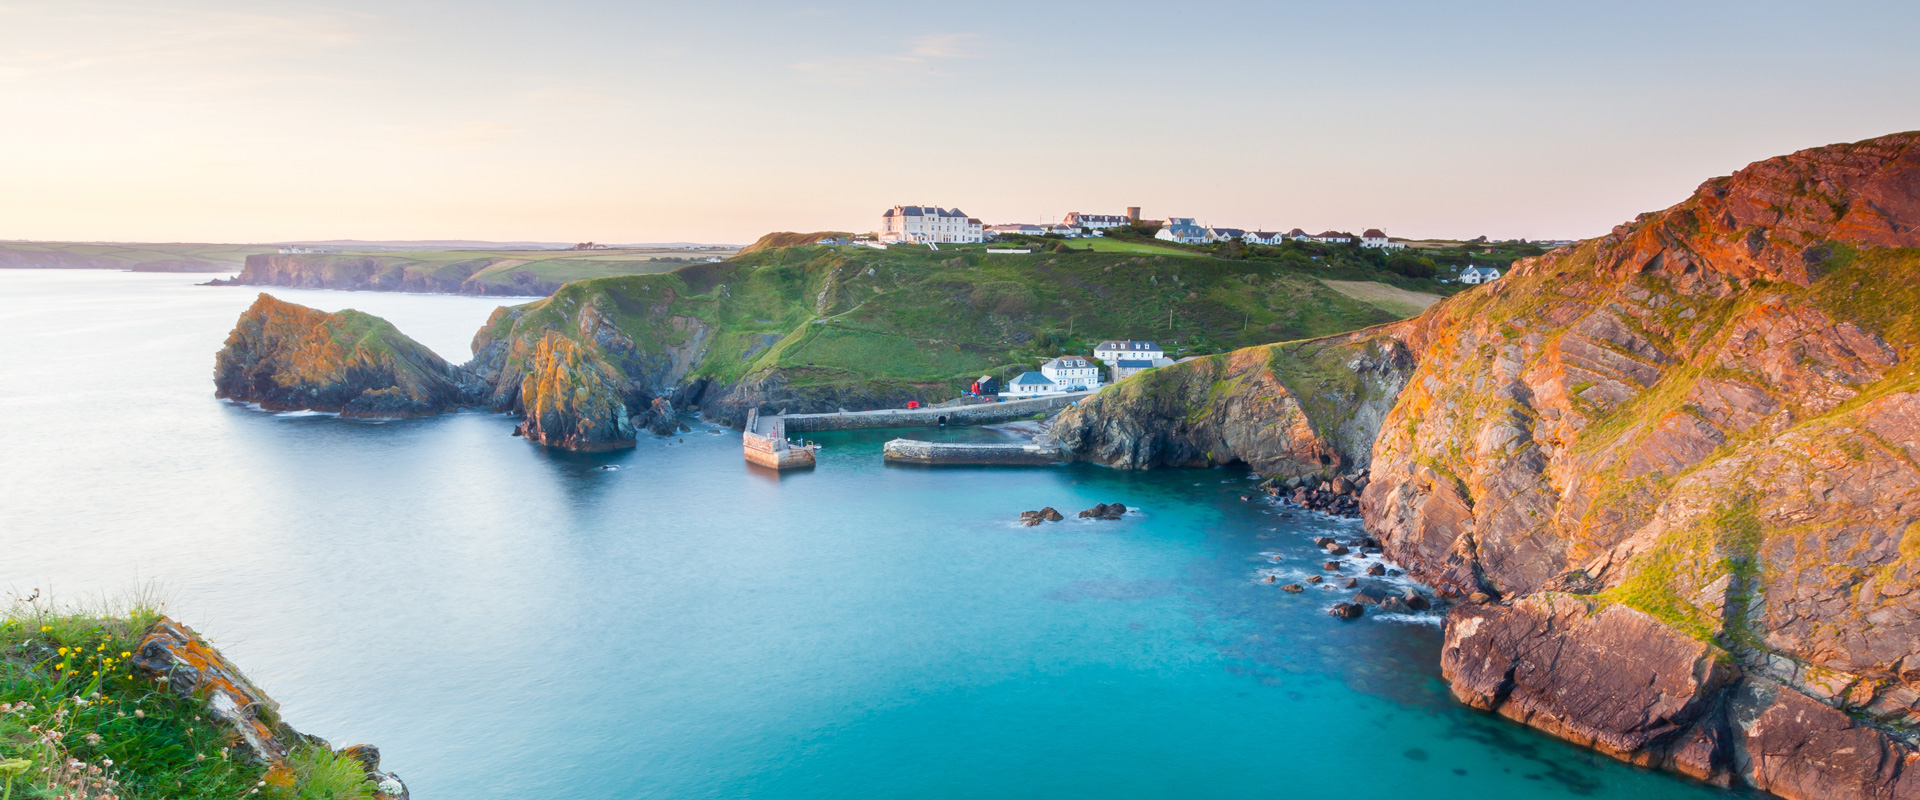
(1683, 460)
(285, 357)
(1288, 410)
(1671, 475)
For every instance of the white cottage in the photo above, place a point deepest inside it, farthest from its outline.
(1116, 349)
(1182, 230)
(929, 224)
(1478, 275)
(1072, 373)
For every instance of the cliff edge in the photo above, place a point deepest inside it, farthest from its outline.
(1681, 459)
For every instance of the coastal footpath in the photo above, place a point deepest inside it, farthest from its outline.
(1671, 475)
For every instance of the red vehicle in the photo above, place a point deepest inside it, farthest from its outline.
(912, 404)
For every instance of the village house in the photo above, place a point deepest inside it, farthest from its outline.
(1478, 275)
(1030, 384)
(1128, 357)
(1225, 234)
(1334, 237)
(1095, 222)
(1116, 349)
(1072, 373)
(1297, 235)
(1182, 230)
(1016, 229)
(1374, 238)
(928, 225)
(1263, 237)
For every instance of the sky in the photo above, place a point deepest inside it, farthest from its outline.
(569, 121)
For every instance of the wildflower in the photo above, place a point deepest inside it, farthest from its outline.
(63, 651)
(125, 654)
(45, 628)
(199, 756)
(139, 714)
(93, 738)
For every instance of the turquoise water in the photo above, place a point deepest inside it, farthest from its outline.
(510, 622)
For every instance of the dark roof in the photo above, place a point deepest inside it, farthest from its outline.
(1032, 377)
(1331, 234)
(1373, 233)
(1133, 364)
(1127, 344)
(1071, 361)
(1296, 232)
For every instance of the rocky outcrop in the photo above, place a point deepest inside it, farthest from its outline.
(1684, 456)
(593, 364)
(288, 357)
(1295, 409)
(188, 666)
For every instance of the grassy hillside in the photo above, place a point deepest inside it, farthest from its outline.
(855, 319)
(141, 257)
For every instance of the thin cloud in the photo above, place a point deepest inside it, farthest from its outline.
(145, 40)
(925, 58)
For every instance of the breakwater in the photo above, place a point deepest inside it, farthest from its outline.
(975, 414)
(914, 451)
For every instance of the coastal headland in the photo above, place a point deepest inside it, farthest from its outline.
(1666, 476)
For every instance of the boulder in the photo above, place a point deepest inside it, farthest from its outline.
(1294, 588)
(1314, 579)
(1415, 600)
(1336, 549)
(1350, 583)
(1370, 597)
(1346, 610)
(1614, 679)
(1376, 570)
(1331, 566)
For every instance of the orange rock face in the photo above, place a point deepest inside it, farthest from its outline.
(1709, 416)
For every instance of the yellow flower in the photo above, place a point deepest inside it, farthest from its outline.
(125, 654)
(63, 651)
(45, 628)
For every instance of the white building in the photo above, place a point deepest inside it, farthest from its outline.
(1372, 237)
(1182, 230)
(1098, 222)
(1072, 373)
(1297, 235)
(1116, 349)
(1334, 237)
(929, 224)
(1263, 237)
(1030, 384)
(1128, 367)
(1020, 229)
(1478, 275)
(1224, 234)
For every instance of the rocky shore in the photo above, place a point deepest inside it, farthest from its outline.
(1668, 476)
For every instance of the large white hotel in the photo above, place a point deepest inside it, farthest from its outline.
(930, 224)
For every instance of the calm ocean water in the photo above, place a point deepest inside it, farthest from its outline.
(510, 622)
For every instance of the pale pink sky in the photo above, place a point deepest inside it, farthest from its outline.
(628, 122)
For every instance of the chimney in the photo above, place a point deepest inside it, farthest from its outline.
(1133, 213)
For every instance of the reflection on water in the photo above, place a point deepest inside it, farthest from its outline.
(507, 621)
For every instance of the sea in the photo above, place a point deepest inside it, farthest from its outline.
(508, 621)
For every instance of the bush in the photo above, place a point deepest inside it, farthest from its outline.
(316, 773)
(1412, 266)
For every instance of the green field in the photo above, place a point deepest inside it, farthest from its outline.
(143, 257)
(845, 315)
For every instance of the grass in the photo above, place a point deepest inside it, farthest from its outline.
(1106, 245)
(833, 315)
(1391, 299)
(78, 720)
(100, 255)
